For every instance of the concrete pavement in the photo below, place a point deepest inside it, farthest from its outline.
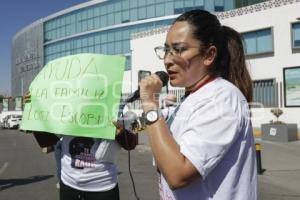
(28, 174)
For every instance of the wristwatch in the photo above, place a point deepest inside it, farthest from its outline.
(152, 116)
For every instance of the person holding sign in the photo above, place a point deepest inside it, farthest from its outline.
(88, 170)
(205, 150)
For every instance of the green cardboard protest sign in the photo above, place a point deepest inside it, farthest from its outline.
(76, 95)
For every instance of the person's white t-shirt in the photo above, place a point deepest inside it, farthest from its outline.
(88, 164)
(213, 129)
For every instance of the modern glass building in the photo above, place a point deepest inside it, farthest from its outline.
(99, 26)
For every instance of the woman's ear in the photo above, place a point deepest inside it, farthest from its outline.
(210, 56)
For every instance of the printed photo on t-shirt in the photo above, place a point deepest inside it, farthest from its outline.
(80, 151)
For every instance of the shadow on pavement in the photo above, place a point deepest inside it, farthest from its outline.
(8, 183)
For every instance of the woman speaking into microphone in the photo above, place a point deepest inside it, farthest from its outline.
(205, 150)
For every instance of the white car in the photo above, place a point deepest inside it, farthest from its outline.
(13, 121)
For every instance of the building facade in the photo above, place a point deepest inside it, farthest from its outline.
(99, 26)
(271, 36)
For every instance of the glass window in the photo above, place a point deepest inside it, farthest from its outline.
(54, 34)
(118, 35)
(54, 48)
(104, 48)
(78, 27)
(97, 39)
(103, 37)
(126, 46)
(97, 11)
(209, 5)
(142, 12)
(84, 25)
(118, 6)
(77, 43)
(85, 50)
(91, 49)
(73, 18)
(219, 5)
(169, 8)
(159, 10)
(68, 53)
(63, 32)
(133, 3)
(151, 11)
(78, 16)
(68, 30)
(110, 36)
(126, 34)
(296, 35)
(110, 8)
(264, 41)
(133, 14)
(68, 19)
(125, 16)
(84, 42)
(47, 27)
(53, 24)
(47, 50)
(111, 19)
(68, 45)
(98, 48)
(150, 2)
(84, 14)
(118, 18)
(90, 13)
(260, 41)
(103, 9)
(188, 3)
(142, 2)
(97, 23)
(118, 47)
(73, 29)
(103, 20)
(47, 36)
(91, 24)
(62, 47)
(178, 4)
(125, 4)
(59, 22)
(51, 50)
(57, 33)
(250, 43)
(91, 41)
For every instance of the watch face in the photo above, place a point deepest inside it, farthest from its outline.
(152, 116)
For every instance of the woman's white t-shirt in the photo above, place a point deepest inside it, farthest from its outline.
(213, 129)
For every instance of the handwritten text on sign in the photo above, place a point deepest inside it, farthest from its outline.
(76, 95)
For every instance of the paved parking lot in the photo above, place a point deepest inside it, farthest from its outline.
(29, 174)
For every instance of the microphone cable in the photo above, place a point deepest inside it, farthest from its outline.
(129, 160)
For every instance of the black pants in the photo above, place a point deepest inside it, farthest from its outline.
(68, 193)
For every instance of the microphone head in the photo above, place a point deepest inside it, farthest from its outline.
(163, 76)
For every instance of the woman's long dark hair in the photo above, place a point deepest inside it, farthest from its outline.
(230, 61)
